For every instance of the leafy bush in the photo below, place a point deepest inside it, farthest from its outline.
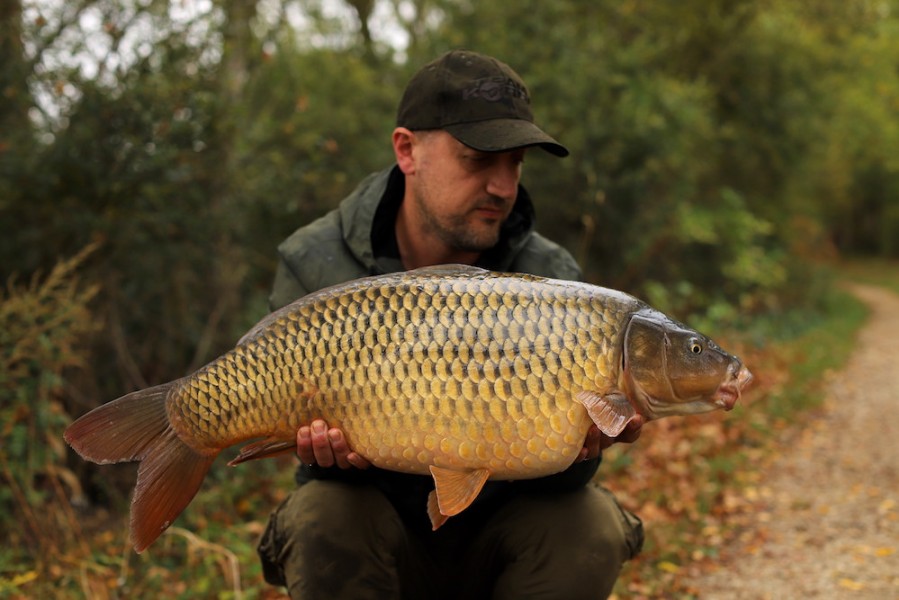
(44, 327)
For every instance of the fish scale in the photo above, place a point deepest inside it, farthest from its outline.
(453, 371)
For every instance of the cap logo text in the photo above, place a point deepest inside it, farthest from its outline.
(494, 89)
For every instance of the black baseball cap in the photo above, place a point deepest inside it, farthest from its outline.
(478, 100)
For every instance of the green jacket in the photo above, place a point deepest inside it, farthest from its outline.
(357, 240)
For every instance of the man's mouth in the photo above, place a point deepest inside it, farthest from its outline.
(491, 210)
(490, 213)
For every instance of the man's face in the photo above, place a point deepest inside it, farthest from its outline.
(463, 195)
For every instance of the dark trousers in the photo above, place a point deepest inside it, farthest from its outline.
(337, 540)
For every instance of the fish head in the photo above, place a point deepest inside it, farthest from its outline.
(670, 369)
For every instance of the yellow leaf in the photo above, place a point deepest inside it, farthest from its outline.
(881, 552)
(669, 567)
(23, 578)
(851, 584)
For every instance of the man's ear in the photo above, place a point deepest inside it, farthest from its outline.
(403, 142)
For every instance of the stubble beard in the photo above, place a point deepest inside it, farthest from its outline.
(456, 231)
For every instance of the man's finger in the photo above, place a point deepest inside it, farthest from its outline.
(321, 445)
(339, 448)
(592, 444)
(304, 445)
(318, 444)
(357, 461)
(630, 434)
(633, 430)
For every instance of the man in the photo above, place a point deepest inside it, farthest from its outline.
(353, 531)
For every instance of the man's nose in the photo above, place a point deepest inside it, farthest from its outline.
(504, 179)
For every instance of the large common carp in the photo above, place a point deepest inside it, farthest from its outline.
(455, 371)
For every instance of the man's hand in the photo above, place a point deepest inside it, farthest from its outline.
(317, 444)
(597, 441)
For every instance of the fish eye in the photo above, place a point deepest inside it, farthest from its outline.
(695, 347)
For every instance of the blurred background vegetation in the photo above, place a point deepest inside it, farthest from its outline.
(154, 152)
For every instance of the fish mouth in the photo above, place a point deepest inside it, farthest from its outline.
(729, 392)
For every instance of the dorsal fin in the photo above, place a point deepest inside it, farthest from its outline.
(449, 270)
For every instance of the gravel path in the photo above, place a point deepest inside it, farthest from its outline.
(828, 526)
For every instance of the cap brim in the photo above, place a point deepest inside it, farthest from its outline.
(498, 135)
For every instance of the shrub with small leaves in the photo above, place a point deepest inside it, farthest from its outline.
(44, 327)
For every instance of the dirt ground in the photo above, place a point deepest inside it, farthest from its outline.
(828, 526)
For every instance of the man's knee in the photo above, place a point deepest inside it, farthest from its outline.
(330, 536)
(569, 545)
(608, 536)
(613, 526)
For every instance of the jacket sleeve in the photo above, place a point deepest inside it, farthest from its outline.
(313, 257)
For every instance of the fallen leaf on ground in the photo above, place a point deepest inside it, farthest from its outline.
(851, 584)
(669, 567)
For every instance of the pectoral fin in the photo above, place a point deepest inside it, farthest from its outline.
(611, 412)
(264, 449)
(453, 492)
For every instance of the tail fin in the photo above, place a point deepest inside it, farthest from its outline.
(136, 428)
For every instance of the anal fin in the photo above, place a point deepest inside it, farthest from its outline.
(610, 412)
(437, 519)
(454, 491)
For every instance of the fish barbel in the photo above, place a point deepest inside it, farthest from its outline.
(457, 372)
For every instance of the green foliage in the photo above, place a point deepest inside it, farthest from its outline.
(139, 166)
(44, 327)
(306, 140)
(848, 183)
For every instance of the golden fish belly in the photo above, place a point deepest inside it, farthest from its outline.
(531, 445)
(459, 372)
